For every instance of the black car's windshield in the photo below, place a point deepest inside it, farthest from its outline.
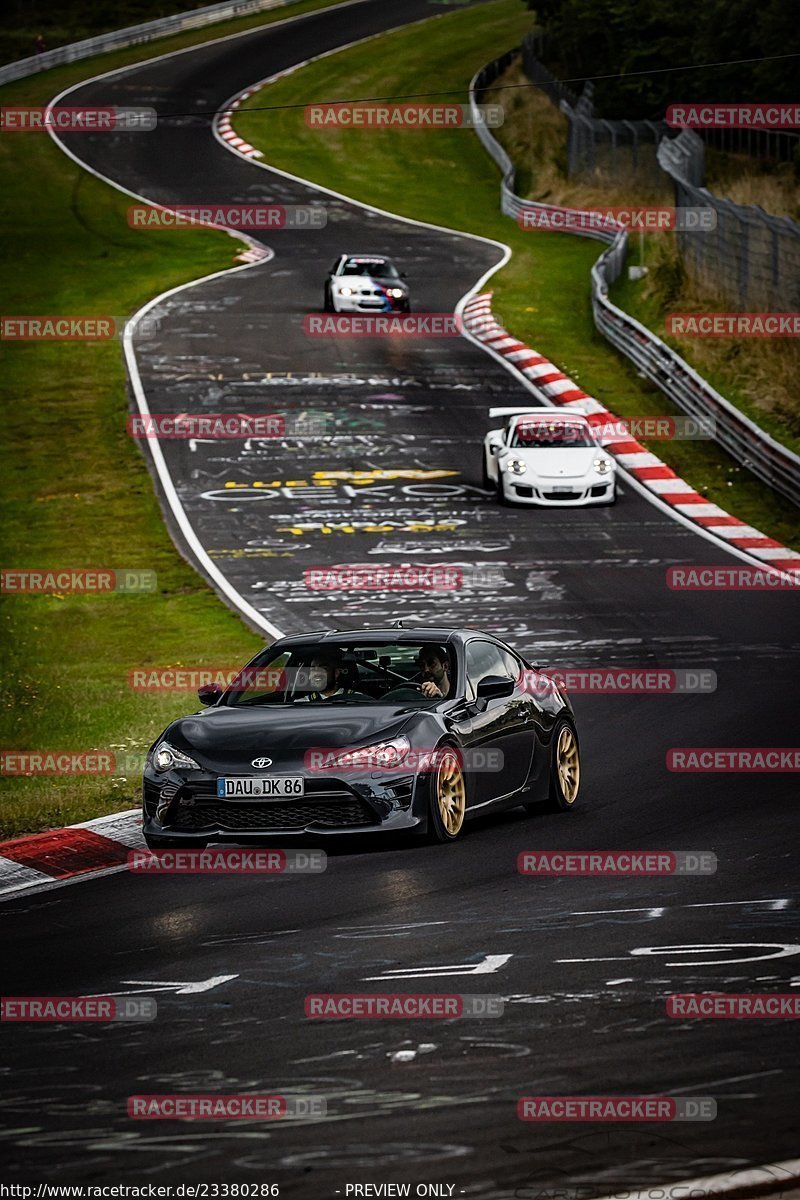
(416, 673)
(379, 268)
(562, 434)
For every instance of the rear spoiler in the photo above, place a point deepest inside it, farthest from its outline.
(532, 410)
(513, 412)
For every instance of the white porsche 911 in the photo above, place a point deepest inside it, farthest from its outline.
(365, 283)
(547, 457)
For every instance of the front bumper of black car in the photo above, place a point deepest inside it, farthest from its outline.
(184, 806)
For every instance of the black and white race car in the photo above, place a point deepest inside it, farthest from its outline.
(365, 283)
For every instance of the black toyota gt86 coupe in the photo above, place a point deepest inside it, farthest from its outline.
(353, 732)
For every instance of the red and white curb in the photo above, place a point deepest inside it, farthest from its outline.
(60, 855)
(636, 459)
(229, 134)
(224, 129)
(256, 253)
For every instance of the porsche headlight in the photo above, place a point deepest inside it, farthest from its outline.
(602, 465)
(166, 758)
(396, 293)
(345, 291)
(381, 756)
(517, 466)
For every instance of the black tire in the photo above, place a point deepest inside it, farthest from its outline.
(168, 843)
(561, 796)
(448, 764)
(501, 496)
(327, 302)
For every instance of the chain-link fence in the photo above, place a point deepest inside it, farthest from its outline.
(595, 147)
(751, 257)
(607, 147)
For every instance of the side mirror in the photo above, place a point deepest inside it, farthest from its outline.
(209, 693)
(403, 275)
(494, 686)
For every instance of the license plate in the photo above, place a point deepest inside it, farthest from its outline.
(256, 787)
(559, 489)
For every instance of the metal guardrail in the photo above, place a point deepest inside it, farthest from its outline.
(745, 441)
(134, 35)
(510, 203)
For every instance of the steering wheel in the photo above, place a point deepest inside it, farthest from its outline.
(417, 687)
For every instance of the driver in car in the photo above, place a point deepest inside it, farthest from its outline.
(435, 671)
(326, 674)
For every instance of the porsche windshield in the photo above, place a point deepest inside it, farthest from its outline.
(347, 673)
(563, 434)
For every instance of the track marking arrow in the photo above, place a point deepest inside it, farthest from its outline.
(180, 989)
(487, 966)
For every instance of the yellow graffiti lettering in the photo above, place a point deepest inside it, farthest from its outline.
(378, 473)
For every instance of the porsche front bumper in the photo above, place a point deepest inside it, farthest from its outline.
(576, 493)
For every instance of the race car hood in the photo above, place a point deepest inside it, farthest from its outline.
(224, 738)
(368, 281)
(553, 462)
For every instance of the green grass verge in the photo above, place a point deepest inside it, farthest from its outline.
(721, 364)
(445, 176)
(76, 490)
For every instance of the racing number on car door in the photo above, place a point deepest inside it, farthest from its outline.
(502, 722)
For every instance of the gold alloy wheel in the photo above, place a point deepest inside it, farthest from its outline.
(569, 764)
(451, 795)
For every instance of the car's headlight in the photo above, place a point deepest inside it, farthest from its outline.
(517, 466)
(602, 465)
(345, 291)
(166, 758)
(396, 293)
(381, 756)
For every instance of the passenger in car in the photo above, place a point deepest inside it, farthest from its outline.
(327, 673)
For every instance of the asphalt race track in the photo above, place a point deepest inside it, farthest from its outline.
(584, 964)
